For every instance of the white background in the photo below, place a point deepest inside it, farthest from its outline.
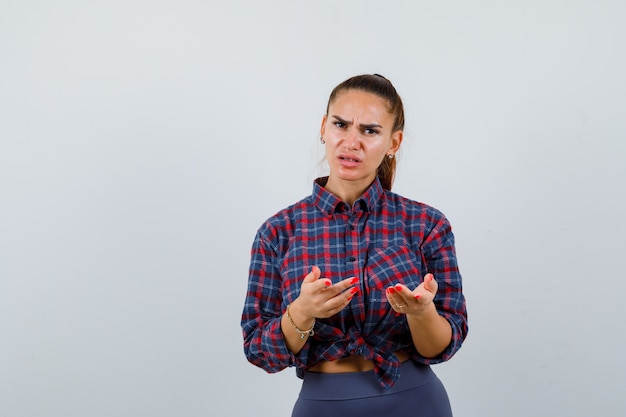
(142, 143)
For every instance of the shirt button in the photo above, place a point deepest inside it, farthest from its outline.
(352, 259)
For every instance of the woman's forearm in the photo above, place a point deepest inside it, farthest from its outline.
(431, 332)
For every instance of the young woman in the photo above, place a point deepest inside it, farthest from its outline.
(355, 286)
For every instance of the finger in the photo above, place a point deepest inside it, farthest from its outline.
(396, 300)
(314, 276)
(430, 284)
(341, 301)
(340, 287)
(395, 292)
(404, 294)
(401, 289)
(349, 294)
(347, 283)
(350, 290)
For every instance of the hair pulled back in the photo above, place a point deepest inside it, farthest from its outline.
(382, 87)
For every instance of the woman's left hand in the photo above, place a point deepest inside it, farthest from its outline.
(405, 301)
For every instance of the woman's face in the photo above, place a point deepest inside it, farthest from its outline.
(358, 135)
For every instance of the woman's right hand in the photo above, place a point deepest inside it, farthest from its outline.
(319, 298)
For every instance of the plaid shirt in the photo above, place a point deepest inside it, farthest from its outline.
(383, 239)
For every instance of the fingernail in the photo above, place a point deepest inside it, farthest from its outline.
(354, 280)
(390, 290)
(328, 283)
(398, 287)
(418, 296)
(353, 290)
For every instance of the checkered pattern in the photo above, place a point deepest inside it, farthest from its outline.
(383, 239)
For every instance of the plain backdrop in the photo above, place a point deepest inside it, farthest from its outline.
(142, 143)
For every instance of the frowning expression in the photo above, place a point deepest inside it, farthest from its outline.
(358, 134)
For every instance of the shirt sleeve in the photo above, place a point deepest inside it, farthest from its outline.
(264, 342)
(440, 256)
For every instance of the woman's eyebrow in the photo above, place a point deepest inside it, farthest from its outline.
(362, 126)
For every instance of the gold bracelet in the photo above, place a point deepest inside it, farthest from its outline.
(303, 333)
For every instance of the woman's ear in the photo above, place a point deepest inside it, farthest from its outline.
(323, 127)
(396, 140)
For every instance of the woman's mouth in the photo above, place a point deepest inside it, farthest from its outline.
(349, 161)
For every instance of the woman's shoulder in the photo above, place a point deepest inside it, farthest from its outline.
(413, 207)
(286, 218)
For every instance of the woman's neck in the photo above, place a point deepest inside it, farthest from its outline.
(347, 191)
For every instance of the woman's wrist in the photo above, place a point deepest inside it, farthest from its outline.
(427, 313)
(302, 331)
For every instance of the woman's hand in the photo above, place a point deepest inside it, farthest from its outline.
(319, 298)
(405, 301)
(431, 333)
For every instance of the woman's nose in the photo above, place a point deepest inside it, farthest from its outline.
(352, 140)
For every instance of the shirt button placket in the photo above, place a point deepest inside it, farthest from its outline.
(352, 260)
(352, 246)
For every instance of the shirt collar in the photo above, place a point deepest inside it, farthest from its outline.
(330, 203)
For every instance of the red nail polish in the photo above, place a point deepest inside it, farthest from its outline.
(328, 283)
(353, 290)
(418, 296)
(391, 290)
(398, 287)
(354, 280)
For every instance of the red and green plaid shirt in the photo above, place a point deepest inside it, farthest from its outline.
(383, 239)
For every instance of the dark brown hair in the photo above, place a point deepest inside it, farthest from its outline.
(382, 87)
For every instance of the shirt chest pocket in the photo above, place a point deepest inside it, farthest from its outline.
(390, 266)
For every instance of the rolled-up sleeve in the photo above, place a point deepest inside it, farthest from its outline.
(440, 255)
(264, 342)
